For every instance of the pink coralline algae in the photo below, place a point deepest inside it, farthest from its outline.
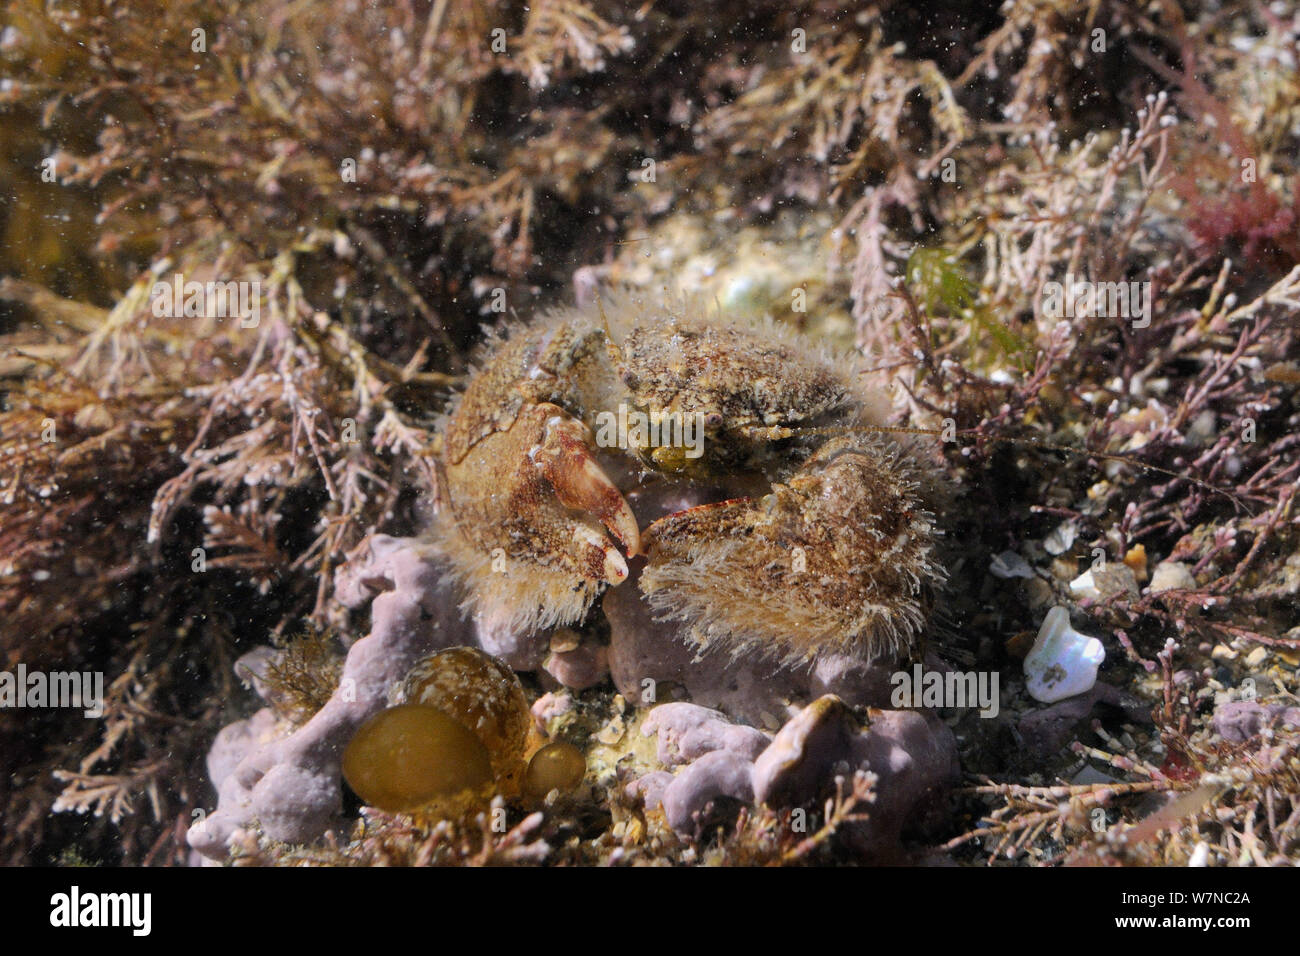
(912, 754)
(701, 783)
(288, 781)
(584, 666)
(1239, 721)
(687, 732)
(716, 758)
(290, 784)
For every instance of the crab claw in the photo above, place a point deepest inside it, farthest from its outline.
(526, 519)
(566, 461)
(605, 561)
(837, 559)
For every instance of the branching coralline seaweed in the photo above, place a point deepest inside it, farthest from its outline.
(178, 489)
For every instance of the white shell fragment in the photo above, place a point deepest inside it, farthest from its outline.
(1062, 662)
(1062, 539)
(1171, 576)
(1084, 586)
(1008, 564)
(1106, 581)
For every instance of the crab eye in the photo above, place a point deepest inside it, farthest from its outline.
(713, 419)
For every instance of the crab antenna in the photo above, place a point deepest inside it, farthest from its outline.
(615, 352)
(850, 429)
(1032, 442)
(604, 319)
